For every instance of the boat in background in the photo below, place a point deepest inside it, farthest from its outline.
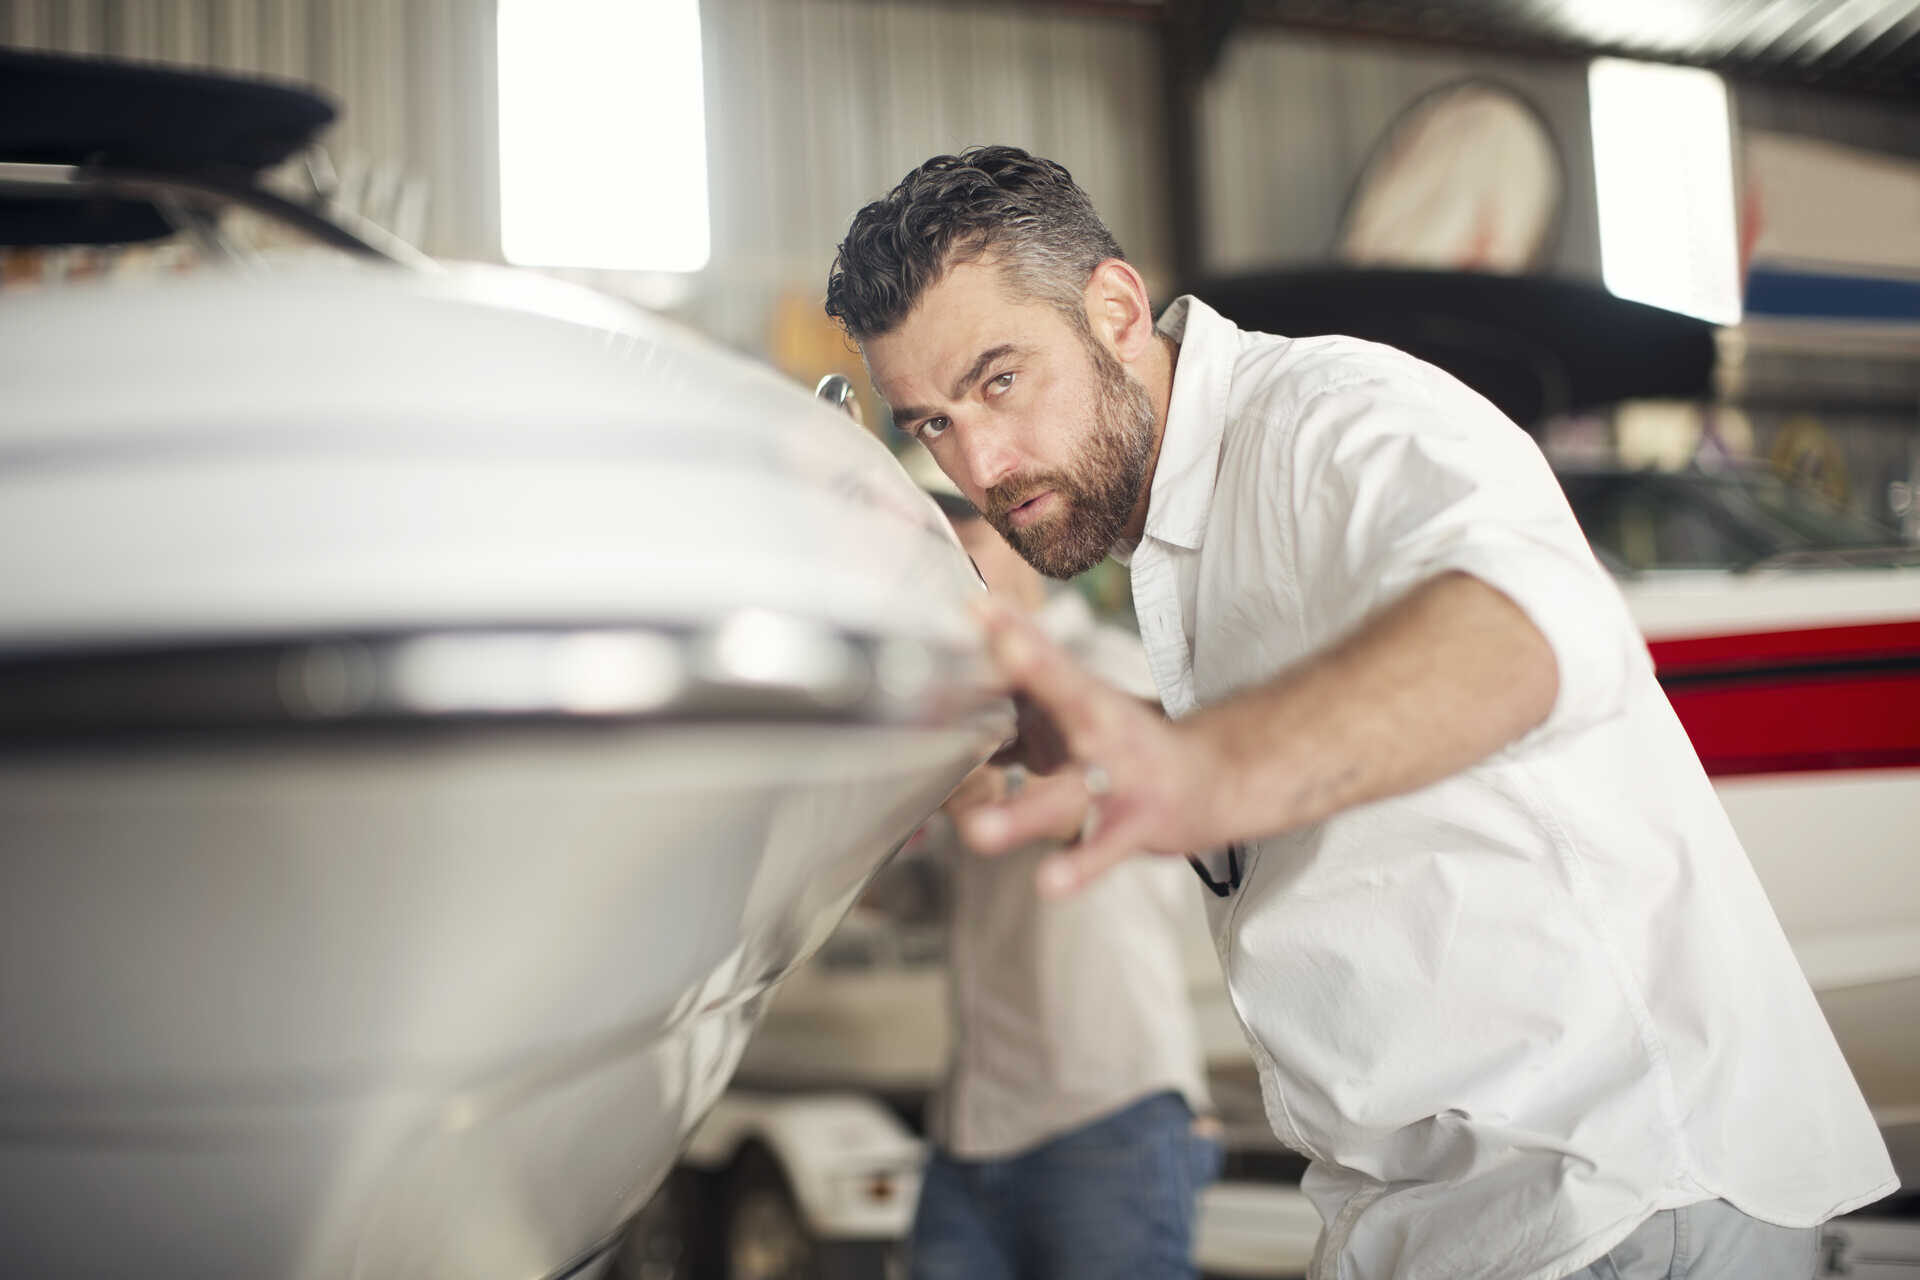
(436, 709)
(1786, 633)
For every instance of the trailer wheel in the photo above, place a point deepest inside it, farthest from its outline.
(673, 1236)
(769, 1238)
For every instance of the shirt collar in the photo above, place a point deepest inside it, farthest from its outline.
(1183, 478)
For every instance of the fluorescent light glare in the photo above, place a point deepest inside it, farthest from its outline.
(1663, 166)
(603, 140)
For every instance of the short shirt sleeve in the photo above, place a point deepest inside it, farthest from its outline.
(1397, 480)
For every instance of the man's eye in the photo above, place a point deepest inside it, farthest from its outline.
(1001, 383)
(931, 429)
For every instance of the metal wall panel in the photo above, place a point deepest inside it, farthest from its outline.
(1872, 124)
(1288, 121)
(815, 107)
(1290, 118)
(831, 101)
(414, 80)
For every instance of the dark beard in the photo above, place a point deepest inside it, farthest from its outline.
(1098, 492)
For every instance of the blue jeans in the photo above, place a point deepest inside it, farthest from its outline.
(1112, 1199)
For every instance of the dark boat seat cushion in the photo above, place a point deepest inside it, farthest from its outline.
(56, 109)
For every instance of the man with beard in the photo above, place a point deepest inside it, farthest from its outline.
(1510, 981)
(1065, 1139)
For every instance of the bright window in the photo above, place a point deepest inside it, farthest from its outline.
(603, 147)
(1663, 165)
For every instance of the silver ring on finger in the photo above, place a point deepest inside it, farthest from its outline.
(1098, 783)
(1015, 779)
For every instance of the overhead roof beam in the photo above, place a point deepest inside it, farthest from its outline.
(1861, 46)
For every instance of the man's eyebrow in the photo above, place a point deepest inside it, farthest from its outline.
(908, 413)
(979, 366)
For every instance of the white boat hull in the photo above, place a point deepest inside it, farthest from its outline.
(1801, 691)
(435, 710)
(440, 1008)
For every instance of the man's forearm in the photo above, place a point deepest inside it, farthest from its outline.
(1427, 687)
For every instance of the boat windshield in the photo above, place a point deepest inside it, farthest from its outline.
(1640, 520)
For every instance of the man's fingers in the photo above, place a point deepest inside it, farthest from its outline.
(1077, 866)
(1037, 743)
(1099, 729)
(1037, 667)
(1046, 809)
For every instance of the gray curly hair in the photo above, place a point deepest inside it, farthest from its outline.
(1025, 211)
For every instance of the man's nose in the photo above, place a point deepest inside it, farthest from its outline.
(986, 456)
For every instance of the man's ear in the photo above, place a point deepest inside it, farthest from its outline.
(1119, 310)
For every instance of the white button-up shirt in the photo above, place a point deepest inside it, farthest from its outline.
(1512, 1014)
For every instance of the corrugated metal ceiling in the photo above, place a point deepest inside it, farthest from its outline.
(1859, 45)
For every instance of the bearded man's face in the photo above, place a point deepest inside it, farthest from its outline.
(1097, 489)
(1043, 430)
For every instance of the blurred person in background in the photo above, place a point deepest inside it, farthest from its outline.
(1069, 1135)
(1510, 981)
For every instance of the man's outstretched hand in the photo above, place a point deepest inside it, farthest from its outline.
(1429, 685)
(1126, 779)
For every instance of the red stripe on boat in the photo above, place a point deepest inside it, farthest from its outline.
(1771, 718)
(1763, 648)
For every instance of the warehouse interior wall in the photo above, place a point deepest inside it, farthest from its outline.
(814, 106)
(1290, 120)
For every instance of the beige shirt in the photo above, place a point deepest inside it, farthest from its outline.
(1511, 1014)
(1066, 1011)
